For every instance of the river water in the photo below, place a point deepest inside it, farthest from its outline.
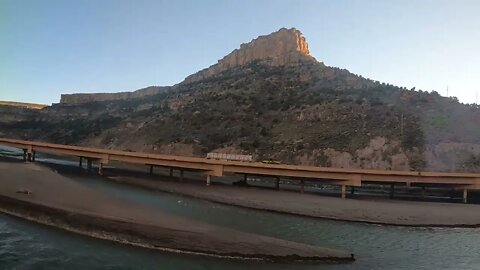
(25, 245)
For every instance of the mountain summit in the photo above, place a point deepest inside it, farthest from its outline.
(277, 49)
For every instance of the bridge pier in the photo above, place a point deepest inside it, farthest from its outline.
(100, 168)
(27, 155)
(465, 195)
(80, 162)
(245, 178)
(171, 172)
(209, 179)
(344, 190)
(181, 176)
(151, 170)
(302, 188)
(33, 155)
(392, 190)
(277, 183)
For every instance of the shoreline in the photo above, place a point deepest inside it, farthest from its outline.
(59, 202)
(402, 213)
(104, 235)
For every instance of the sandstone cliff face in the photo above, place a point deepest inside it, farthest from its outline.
(279, 48)
(84, 98)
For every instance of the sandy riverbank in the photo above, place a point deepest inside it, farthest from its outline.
(61, 202)
(379, 211)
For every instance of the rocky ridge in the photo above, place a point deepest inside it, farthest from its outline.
(33, 106)
(279, 48)
(85, 98)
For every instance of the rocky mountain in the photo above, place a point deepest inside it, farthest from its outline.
(270, 98)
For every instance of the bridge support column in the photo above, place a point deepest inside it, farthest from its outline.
(392, 190)
(181, 176)
(424, 193)
(465, 195)
(100, 168)
(277, 183)
(33, 155)
(151, 169)
(80, 162)
(89, 165)
(29, 156)
(245, 178)
(209, 179)
(171, 172)
(24, 155)
(344, 189)
(302, 188)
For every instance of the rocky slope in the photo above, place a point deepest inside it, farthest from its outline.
(273, 105)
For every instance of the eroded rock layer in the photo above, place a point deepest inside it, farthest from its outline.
(279, 48)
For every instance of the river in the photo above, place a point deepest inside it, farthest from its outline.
(25, 245)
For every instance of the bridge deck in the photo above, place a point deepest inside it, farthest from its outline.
(214, 167)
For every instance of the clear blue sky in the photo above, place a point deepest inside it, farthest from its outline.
(53, 47)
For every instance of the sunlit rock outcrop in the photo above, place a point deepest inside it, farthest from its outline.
(279, 48)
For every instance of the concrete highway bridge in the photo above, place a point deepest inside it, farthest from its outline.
(217, 168)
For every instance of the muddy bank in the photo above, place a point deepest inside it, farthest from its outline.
(378, 211)
(34, 192)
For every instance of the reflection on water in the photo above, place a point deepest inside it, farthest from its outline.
(24, 245)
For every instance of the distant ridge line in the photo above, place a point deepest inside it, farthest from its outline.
(35, 106)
